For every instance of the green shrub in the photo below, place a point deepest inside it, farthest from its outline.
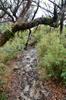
(12, 47)
(52, 55)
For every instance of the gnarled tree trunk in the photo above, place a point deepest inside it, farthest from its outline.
(4, 37)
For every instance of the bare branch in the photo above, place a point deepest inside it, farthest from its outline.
(36, 22)
(55, 4)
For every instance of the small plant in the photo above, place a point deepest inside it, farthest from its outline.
(3, 71)
(3, 96)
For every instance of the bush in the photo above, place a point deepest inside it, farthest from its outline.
(12, 47)
(52, 55)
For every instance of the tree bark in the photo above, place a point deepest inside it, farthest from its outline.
(4, 37)
(34, 23)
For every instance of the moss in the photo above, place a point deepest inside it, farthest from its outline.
(8, 34)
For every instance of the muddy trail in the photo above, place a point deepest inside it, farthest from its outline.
(25, 83)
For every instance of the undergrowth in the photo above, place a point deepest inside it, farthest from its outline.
(3, 71)
(12, 47)
(3, 96)
(52, 52)
(8, 52)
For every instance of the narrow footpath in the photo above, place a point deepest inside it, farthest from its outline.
(25, 83)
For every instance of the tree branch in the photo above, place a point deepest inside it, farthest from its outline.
(4, 37)
(34, 23)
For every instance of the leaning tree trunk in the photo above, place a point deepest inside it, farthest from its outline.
(4, 37)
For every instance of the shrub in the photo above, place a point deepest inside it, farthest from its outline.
(52, 55)
(12, 47)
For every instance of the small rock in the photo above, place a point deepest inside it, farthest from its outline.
(16, 68)
(23, 97)
(32, 92)
(28, 68)
(37, 95)
(26, 88)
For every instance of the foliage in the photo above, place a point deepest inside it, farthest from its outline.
(3, 71)
(8, 52)
(3, 96)
(5, 26)
(40, 31)
(52, 54)
(12, 47)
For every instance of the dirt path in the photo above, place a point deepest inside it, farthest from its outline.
(25, 83)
